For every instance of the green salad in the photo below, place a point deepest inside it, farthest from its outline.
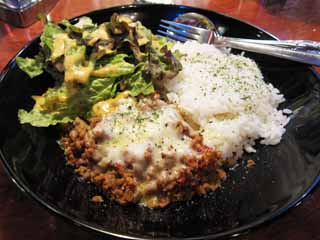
(92, 62)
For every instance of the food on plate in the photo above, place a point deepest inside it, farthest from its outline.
(142, 151)
(227, 98)
(147, 120)
(91, 63)
(250, 163)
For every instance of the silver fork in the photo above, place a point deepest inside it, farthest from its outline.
(297, 50)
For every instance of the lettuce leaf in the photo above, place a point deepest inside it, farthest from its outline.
(84, 23)
(40, 119)
(162, 64)
(160, 42)
(117, 58)
(54, 100)
(93, 62)
(111, 59)
(49, 109)
(55, 74)
(61, 105)
(31, 66)
(49, 32)
(101, 89)
(143, 34)
(139, 83)
(114, 67)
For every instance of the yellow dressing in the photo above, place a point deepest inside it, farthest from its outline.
(143, 38)
(59, 45)
(103, 108)
(75, 57)
(39, 102)
(98, 34)
(75, 71)
(80, 74)
(109, 69)
(103, 50)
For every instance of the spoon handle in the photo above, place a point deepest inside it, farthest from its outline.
(296, 53)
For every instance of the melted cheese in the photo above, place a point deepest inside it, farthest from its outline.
(132, 132)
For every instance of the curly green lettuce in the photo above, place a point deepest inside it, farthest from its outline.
(31, 66)
(139, 83)
(41, 119)
(92, 63)
(48, 35)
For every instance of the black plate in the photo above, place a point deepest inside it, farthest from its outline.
(282, 177)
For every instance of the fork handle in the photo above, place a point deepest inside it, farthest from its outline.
(295, 44)
(300, 55)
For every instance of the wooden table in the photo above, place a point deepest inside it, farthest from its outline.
(21, 218)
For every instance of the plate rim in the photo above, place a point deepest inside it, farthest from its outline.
(73, 220)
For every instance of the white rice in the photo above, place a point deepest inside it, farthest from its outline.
(227, 97)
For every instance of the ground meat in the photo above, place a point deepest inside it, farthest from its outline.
(79, 145)
(250, 163)
(97, 199)
(199, 177)
(200, 174)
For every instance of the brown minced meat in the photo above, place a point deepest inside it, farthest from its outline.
(118, 182)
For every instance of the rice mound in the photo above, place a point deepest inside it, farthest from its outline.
(227, 97)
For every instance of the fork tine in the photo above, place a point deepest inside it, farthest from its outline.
(167, 38)
(181, 32)
(173, 36)
(183, 26)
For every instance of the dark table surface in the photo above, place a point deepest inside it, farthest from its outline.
(22, 218)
